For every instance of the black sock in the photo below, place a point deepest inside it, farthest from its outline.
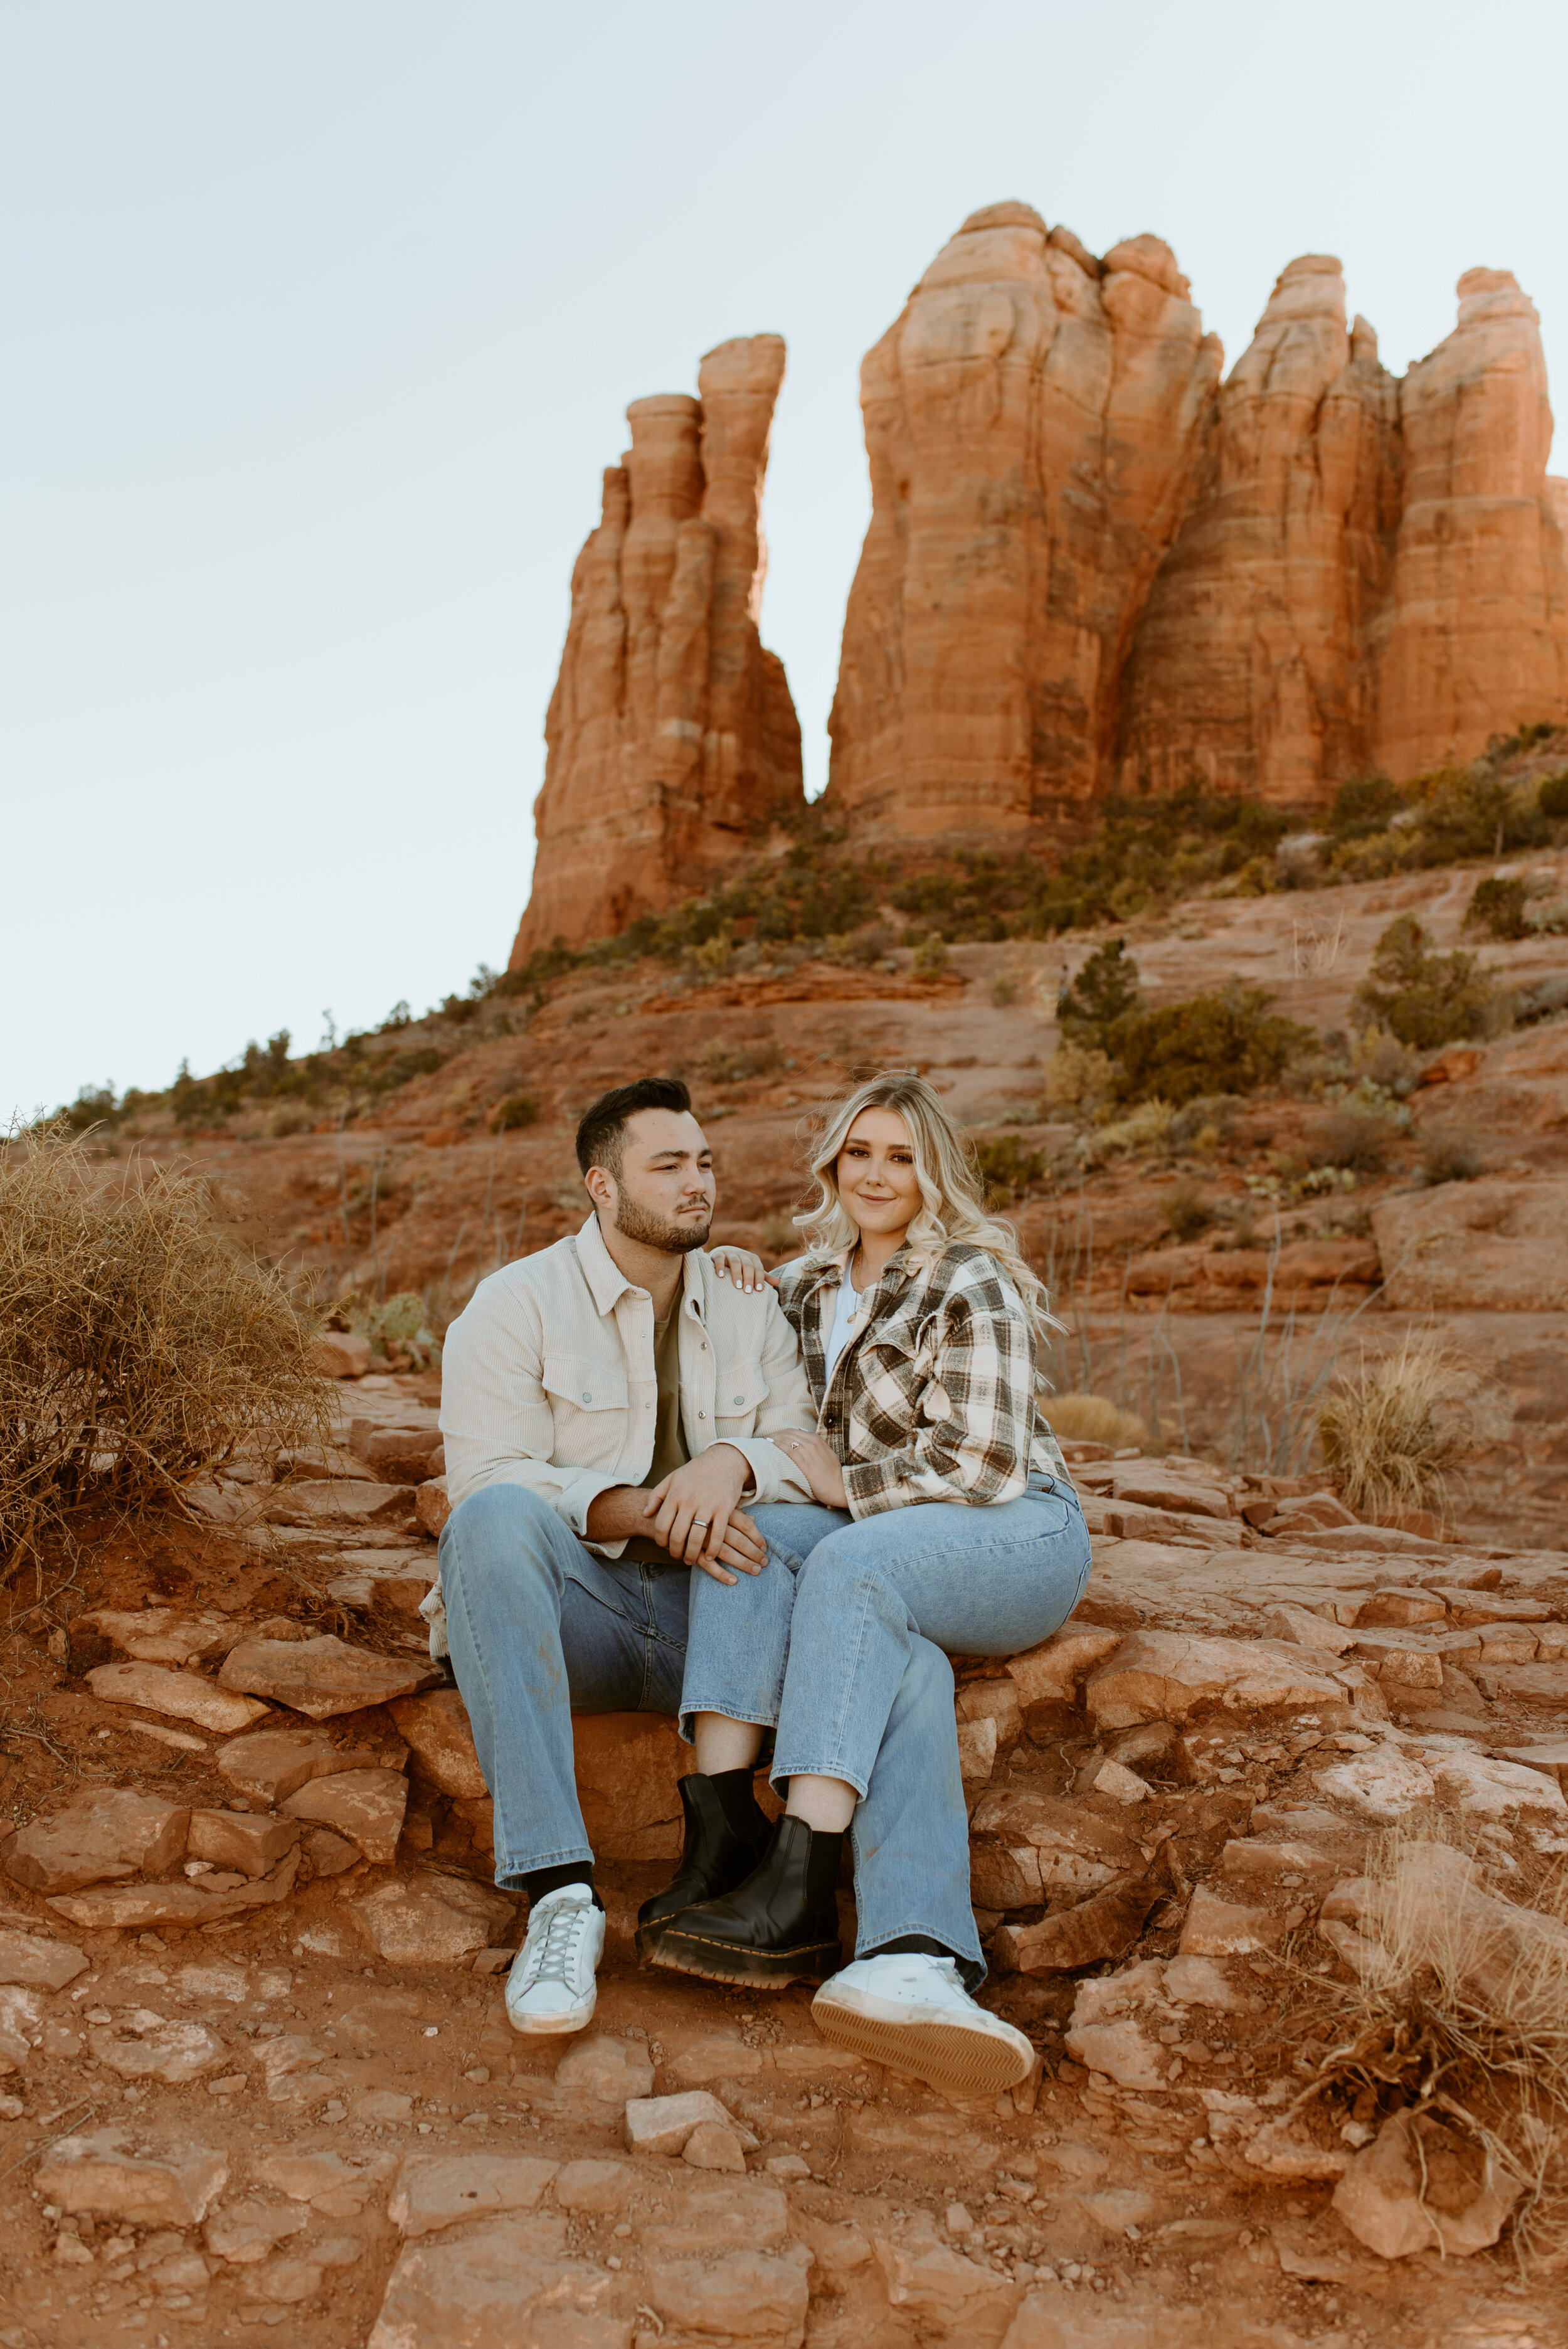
(917, 1944)
(538, 1881)
(738, 1803)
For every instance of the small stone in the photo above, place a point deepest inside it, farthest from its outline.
(432, 1505)
(1115, 1779)
(601, 2071)
(662, 2124)
(385, 2106)
(272, 1764)
(959, 2221)
(185, 1697)
(162, 1635)
(145, 2045)
(435, 2191)
(1493, 1789)
(366, 1806)
(430, 1920)
(334, 1504)
(1419, 2186)
(721, 2056)
(97, 1836)
(1222, 1929)
(35, 1963)
(329, 1853)
(247, 1841)
(120, 1908)
(325, 2181)
(90, 2174)
(787, 2166)
(713, 2146)
(500, 2281)
(746, 2296)
(595, 2188)
(341, 1354)
(319, 1677)
(442, 1741)
(245, 2235)
(1382, 1787)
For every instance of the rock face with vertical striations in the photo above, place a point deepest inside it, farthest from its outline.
(1479, 633)
(671, 733)
(1254, 664)
(1030, 419)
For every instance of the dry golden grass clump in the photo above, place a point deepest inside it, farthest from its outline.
(1458, 2010)
(1392, 1431)
(139, 1345)
(1093, 1419)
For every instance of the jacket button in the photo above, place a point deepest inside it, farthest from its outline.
(586, 1396)
(739, 1398)
(702, 1415)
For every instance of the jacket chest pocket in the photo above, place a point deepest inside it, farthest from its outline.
(578, 1386)
(738, 1395)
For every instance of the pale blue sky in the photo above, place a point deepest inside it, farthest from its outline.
(321, 318)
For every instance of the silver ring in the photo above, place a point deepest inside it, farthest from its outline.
(703, 1522)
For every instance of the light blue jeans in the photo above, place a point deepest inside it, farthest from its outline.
(838, 1645)
(541, 1627)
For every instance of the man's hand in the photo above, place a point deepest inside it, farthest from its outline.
(674, 1514)
(693, 1510)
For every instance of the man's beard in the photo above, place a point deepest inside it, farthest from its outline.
(635, 1223)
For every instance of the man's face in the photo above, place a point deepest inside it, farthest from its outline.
(666, 1192)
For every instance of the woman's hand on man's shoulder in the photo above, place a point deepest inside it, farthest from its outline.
(743, 1270)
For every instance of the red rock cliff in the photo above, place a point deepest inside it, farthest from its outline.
(671, 734)
(1030, 419)
(1254, 663)
(1479, 633)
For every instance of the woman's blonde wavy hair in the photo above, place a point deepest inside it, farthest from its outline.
(951, 1193)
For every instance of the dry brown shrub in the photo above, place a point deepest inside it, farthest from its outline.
(1457, 2006)
(1393, 1432)
(140, 1345)
(1093, 1419)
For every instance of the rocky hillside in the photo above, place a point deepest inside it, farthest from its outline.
(258, 2071)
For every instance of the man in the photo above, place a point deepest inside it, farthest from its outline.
(606, 1405)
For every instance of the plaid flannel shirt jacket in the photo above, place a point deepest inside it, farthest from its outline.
(934, 1400)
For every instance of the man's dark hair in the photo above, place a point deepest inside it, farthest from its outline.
(601, 1135)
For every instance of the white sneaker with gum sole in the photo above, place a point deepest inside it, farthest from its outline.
(911, 2011)
(552, 1986)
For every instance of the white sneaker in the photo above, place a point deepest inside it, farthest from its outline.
(911, 2011)
(550, 1987)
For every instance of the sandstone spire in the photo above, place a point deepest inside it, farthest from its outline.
(1479, 633)
(1030, 419)
(671, 735)
(1252, 660)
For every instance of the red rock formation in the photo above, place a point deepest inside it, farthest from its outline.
(671, 734)
(1253, 664)
(1029, 420)
(1479, 633)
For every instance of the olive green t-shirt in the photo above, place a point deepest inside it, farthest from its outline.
(670, 1450)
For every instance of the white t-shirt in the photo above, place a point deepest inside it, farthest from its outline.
(846, 1314)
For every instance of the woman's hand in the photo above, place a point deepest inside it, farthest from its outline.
(746, 1270)
(818, 1464)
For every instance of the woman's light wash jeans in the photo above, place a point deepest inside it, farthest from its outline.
(541, 1627)
(837, 1644)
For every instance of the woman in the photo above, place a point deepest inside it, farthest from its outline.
(943, 1520)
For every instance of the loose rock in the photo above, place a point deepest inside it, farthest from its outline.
(432, 1921)
(91, 2174)
(241, 1839)
(435, 2191)
(185, 1697)
(319, 1677)
(272, 1764)
(35, 1963)
(97, 1837)
(366, 1806)
(1419, 2186)
(442, 1741)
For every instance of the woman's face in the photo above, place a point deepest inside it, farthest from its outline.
(875, 1173)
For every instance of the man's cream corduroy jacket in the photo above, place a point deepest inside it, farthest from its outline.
(547, 1380)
